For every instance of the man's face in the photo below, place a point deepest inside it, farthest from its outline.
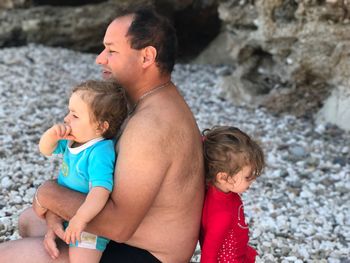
(118, 60)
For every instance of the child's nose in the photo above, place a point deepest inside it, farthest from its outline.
(66, 119)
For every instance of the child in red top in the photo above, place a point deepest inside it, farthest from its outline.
(232, 161)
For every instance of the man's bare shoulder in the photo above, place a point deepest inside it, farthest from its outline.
(143, 130)
(144, 123)
(153, 119)
(165, 121)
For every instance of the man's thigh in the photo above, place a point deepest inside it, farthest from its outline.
(29, 250)
(30, 225)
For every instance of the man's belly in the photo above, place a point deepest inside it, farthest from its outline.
(168, 240)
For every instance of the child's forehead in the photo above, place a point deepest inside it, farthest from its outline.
(83, 95)
(78, 100)
(75, 97)
(247, 168)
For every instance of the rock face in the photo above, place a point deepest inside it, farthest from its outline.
(289, 55)
(9, 4)
(79, 28)
(80, 25)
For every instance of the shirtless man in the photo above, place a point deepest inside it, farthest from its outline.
(156, 204)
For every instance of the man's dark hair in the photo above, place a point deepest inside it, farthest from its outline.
(151, 29)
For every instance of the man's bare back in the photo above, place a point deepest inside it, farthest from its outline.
(180, 194)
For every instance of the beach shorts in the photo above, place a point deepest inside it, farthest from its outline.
(119, 252)
(90, 241)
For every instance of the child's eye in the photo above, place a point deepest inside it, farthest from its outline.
(75, 116)
(249, 178)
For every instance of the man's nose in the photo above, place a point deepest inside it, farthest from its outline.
(101, 59)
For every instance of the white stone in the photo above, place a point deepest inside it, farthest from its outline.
(256, 233)
(291, 258)
(336, 108)
(289, 61)
(6, 182)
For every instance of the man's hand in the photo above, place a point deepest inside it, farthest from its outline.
(50, 244)
(55, 223)
(55, 229)
(39, 210)
(74, 229)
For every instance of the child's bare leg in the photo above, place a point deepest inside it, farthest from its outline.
(86, 255)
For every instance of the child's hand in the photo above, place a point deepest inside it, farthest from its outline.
(61, 131)
(74, 229)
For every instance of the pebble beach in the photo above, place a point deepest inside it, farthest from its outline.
(298, 210)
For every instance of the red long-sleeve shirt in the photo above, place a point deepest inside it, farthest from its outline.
(224, 233)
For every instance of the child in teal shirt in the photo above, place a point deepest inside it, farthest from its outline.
(86, 139)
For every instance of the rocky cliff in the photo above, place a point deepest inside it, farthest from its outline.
(80, 25)
(291, 56)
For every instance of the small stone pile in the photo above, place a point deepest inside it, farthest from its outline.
(298, 210)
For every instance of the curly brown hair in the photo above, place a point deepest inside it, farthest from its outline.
(107, 102)
(228, 149)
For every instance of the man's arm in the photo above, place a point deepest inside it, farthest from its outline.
(59, 199)
(140, 170)
(93, 204)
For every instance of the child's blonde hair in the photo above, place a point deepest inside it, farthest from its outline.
(228, 149)
(107, 102)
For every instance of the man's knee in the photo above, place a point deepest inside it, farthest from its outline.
(29, 225)
(23, 223)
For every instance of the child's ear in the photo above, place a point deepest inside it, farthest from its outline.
(221, 177)
(102, 127)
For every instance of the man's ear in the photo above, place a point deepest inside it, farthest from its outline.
(149, 55)
(102, 127)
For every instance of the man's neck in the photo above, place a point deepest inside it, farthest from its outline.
(135, 92)
(148, 93)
